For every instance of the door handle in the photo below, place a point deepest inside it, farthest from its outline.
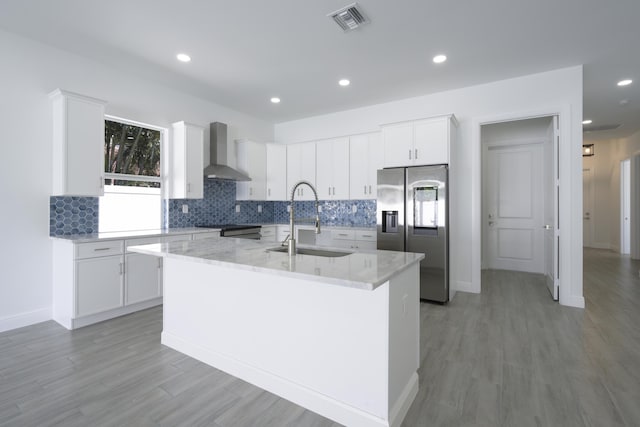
(490, 223)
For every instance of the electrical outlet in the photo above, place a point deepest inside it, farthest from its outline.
(185, 208)
(354, 208)
(237, 208)
(405, 299)
(288, 208)
(259, 208)
(319, 208)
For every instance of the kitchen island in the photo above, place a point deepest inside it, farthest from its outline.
(337, 335)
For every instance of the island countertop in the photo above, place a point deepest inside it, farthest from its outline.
(363, 269)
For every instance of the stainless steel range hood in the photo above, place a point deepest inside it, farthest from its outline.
(218, 155)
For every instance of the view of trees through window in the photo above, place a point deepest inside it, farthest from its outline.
(131, 150)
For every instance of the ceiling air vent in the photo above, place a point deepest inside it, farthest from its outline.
(349, 17)
(598, 128)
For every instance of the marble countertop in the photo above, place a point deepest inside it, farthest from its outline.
(362, 269)
(118, 235)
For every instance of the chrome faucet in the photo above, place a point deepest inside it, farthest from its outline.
(292, 241)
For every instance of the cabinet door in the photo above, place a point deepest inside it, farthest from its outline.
(332, 169)
(194, 162)
(251, 159)
(99, 284)
(398, 145)
(366, 157)
(301, 166)
(78, 145)
(358, 168)
(187, 164)
(276, 174)
(143, 278)
(431, 143)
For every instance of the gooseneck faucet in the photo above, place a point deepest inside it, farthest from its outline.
(292, 240)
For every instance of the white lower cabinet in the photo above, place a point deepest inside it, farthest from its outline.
(96, 281)
(99, 284)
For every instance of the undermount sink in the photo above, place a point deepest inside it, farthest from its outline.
(311, 251)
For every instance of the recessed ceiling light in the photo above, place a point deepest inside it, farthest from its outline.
(275, 100)
(439, 59)
(587, 122)
(344, 82)
(625, 82)
(183, 57)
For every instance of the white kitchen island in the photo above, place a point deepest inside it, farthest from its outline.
(338, 336)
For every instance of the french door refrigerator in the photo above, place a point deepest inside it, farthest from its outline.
(413, 216)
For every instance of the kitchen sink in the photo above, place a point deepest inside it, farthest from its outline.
(311, 251)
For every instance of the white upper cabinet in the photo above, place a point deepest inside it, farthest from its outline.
(301, 166)
(366, 157)
(78, 144)
(332, 169)
(420, 142)
(187, 164)
(277, 172)
(251, 159)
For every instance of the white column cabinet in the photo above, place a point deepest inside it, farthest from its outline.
(420, 142)
(251, 159)
(332, 169)
(187, 164)
(365, 158)
(301, 166)
(78, 144)
(276, 175)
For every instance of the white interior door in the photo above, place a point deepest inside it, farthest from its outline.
(625, 207)
(514, 207)
(551, 236)
(587, 207)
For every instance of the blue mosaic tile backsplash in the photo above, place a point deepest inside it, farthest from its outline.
(73, 215)
(79, 215)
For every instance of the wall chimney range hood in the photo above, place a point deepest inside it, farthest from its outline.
(218, 155)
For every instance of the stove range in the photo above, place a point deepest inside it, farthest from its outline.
(243, 231)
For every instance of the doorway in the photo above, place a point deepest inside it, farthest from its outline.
(519, 197)
(625, 207)
(587, 207)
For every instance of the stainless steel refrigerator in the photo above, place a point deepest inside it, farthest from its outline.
(413, 216)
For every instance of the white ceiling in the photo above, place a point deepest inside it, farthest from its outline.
(246, 51)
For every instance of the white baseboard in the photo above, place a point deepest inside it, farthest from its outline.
(402, 405)
(459, 285)
(25, 319)
(599, 245)
(80, 322)
(573, 301)
(296, 393)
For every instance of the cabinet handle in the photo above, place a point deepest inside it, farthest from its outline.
(159, 262)
(101, 181)
(329, 188)
(367, 235)
(334, 191)
(189, 188)
(101, 249)
(365, 189)
(269, 192)
(416, 156)
(369, 189)
(121, 269)
(251, 191)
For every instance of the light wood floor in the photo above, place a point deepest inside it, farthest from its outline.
(509, 356)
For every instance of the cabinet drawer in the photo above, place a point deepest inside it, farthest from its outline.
(343, 234)
(200, 236)
(369, 236)
(98, 249)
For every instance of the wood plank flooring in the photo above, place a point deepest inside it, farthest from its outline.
(509, 356)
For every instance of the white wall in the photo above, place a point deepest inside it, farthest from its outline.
(29, 72)
(605, 165)
(554, 92)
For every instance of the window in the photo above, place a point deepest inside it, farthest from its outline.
(132, 197)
